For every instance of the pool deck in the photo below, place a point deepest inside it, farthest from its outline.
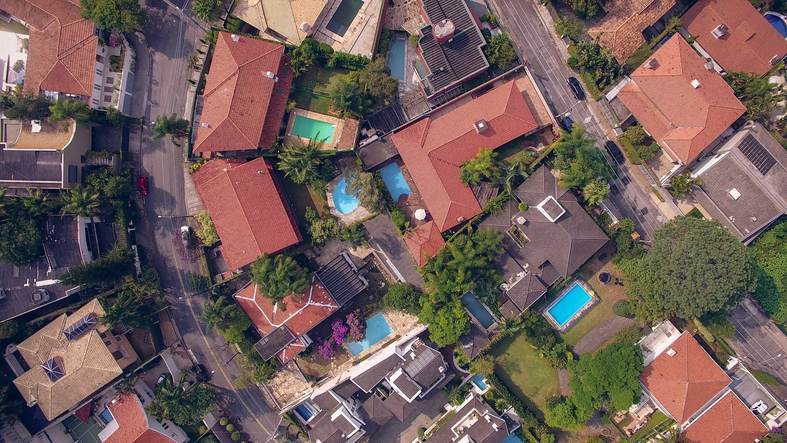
(345, 133)
(357, 215)
(577, 315)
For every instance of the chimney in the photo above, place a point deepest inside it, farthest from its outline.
(443, 31)
(481, 126)
(695, 83)
(235, 37)
(720, 31)
(671, 352)
(652, 63)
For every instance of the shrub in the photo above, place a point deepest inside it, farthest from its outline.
(223, 421)
(322, 229)
(523, 206)
(339, 332)
(356, 325)
(400, 221)
(403, 297)
(623, 308)
(235, 436)
(207, 230)
(229, 427)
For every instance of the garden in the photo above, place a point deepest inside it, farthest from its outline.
(519, 366)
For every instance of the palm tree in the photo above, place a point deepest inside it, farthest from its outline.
(36, 204)
(82, 202)
(64, 109)
(595, 191)
(216, 313)
(303, 163)
(170, 124)
(279, 277)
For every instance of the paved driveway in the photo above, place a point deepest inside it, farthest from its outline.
(759, 343)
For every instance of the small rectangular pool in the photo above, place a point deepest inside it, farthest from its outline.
(572, 302)
(396, 57)
(377, 329)
(304, 411)
(394, 181)
(312, 129)
(343, 17)
(478, 381)
(478, 310)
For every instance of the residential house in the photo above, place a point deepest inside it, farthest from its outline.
(424, 242)
(743, 184)
(548, 240)
(13, 59)
(681, 102)
(472, 421)
(434, 148)
(284, 329)
(392, 383)
(707, 403)
(130, 423)
(68, 241)
(68, 361)
(628, 24)
(736, 35)
(450, 48)
(66, 55)
(42, 155)
(245, 96)
(244, 201)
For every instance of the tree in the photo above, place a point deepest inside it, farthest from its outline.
(8, 329)
(322, 229)
(758, 94)
(643, 144)
(584, 8)
(206, 10)
(110, 185)
(20, 105)
(578, 159)
(403, 297)
(226, 317)
(681, 184)
(65, 109)
(304, 56)
(36, 204)
(105, 271)
(694, 266)
(569, 27)
(500, 52)
(134, 306)
(82, 202)
(360, 92)
(595, 192)
(483, 365)
(207, 230)
(185, 406)
(627, 248)
(355, 234)
(116, 15)
(279, 277)
(303, 163)
(447, 321)
(483, 167)
(21, 241)
(367, 187)
(170, 125)
(769, 253)
(596, 61)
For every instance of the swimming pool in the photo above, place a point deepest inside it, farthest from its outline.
(343, 17)
(777, 22)
(569, 305)
(105, 416)
(478, 310)
(304, 411)
(396, 57)
(394, 181)
(479, 382)
(310, 128)
(344, 202)
(377, 329)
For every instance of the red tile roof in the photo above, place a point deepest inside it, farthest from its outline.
(728, 421)
(433, 148)
(301, 313)
(685, 382)
(424, 242)
(290, 351)
(133, 426)
(751, 42)
(683, 119)
(62, 46)
(243, 109)
(620, 29)
(245, 202)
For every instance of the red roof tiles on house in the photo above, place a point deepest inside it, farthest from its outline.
(620, 29)
(681, 103)
(435, 147)
(684, 382)
(243, 106)
(132, 422)
(728, 421)
(301, 313)
(62, 46)
(244, 200)
(290, 351)
(424, 242)
(749, 42)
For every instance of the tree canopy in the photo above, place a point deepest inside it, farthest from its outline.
(279, 277)
(578, 159)
(303, 163)
(117, 15)
(134, 306)
(184, 406)
(81, 201)
(681, 184)
(591, 58)
(584, 8)
(367, 187)
(170, 125)
(21, 228)
(360, 92)
(643, 145)
(403, 297)
(595, 191)
(20, 105)
(760, 95)
(226, 317)
(206, 10)
(500, 52)
(484, 167)
(770, 257)
(64, 109)
(694, 266)
(103, 271)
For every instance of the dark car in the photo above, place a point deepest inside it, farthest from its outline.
(202, 373)
(143, 187)
(576, 88)
(565, 121)
(615, 152)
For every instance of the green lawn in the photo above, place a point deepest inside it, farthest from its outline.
(311, 89)
(301, 197)
(657, 420)
(520, 367)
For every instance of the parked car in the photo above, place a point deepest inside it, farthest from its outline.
(185, 236)
(565, 121)
(142, 186)
(576, 88)
(615, 152)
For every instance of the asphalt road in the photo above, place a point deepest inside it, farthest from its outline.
(539, 50)
(164, 48)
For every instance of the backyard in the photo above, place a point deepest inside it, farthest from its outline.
(311, 89)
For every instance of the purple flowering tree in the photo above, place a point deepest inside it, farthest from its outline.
(356, 325)
(325, 349)
(340, 331)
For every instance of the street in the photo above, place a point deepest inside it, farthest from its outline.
(540, 52)
(164, 48)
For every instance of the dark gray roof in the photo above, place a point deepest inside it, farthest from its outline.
(271, 344)
(390, 246)
(754, 165)
(509, 309)
(493, 430)
(376, 153)
(30, 167)
(372, 376)
(474, 341)
(552, 249)
(398, 406)
(375, 412)
(406, 385)
(522, 287)
(426, 368)
(461, 57)
(340, 277)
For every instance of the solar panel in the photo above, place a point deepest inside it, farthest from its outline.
(757, 154)
(81, 326)
(53, 369)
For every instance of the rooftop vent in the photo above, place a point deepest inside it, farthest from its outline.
(205, 124)
(709, 65)
(443, 31)
(695, 83)
(271, 76)
(481, 126)
(235, 37)
(671, 352)
(35, 126)
(305, 27)
(652, 63)
(720, 31)
(734, 193)
(520, 220)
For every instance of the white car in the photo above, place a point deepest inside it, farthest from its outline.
(185, 236)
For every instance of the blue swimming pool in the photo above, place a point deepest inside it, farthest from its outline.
(304, 411)
(478, 310)
(777, 22)
(377, 329)
(105, 416)
(478, 381)
(572, 302)
(394, 181)
(396, 57)
(512, 438)
(344, 202)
